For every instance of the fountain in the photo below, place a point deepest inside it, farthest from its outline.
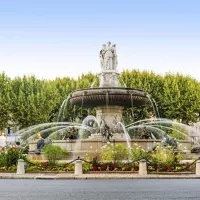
(109, 100)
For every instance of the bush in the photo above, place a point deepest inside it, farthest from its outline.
(164, 159)
(138, 153)
(87, 167)
(116, 153)
(53, 153)
(178, 132)
(9, 156)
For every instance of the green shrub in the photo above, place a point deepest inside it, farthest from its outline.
(178, 132)
(69, 168)
(53, 153)
(116, 153)
(165, 160)
(9, 156)
(34, 168)
(87, 167)
(12, 168)
(138, 153)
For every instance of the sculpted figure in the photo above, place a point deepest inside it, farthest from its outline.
(106, 133)
(108, 57)
(145, 134)
(114, 61)
(102, 122)
(102, 56)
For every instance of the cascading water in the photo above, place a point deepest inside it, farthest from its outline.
(107, 99)
(92, 85)
(61, 109)
(61, 114)
(154, 105)
(82, 101)
(132, 106)
(160, 124)
(74, 113)
(127, 136)
(124, 84)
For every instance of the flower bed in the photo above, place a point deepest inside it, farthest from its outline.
(111, 159)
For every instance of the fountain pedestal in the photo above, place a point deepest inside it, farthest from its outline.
(109, 78)
(110, 116)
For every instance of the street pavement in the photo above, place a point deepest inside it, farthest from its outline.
(121, 189)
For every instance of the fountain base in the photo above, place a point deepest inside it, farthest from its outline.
(115, 136)
(93, 147)
(110, 116)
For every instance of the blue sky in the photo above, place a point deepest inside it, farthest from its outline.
(63, 38)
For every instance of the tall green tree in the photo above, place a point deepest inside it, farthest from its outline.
(5, 100)
(33, 101)
(181, 98)
(27, 101)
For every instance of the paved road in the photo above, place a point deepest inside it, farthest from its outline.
(164, 189)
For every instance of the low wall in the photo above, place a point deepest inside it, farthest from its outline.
(95, 145)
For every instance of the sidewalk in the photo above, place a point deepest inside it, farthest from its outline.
(55, 176)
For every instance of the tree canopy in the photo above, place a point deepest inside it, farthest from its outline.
(26, 101)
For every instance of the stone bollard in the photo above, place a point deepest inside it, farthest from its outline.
(21, 167)
(198, 168)
(78, 168)
(142, 167)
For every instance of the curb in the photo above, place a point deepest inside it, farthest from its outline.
(94, 176)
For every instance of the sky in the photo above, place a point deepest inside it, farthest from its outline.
(61, 38)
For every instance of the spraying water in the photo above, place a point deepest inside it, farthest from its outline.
(132, 105)
(156, 107)
(63, 109)
(82, 104)
(92, 85)
(124, 84)
(127, 136)
(107, 99)
(153, 105)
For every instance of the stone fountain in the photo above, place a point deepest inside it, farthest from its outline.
(109, 99)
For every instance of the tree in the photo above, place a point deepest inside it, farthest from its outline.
(28, 101)
(181, 98)
(149, 82)
(33, 101)
(5, 100)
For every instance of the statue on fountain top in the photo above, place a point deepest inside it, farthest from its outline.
(108, 57)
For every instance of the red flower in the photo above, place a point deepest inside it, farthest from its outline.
(187, 164)
(103, 167)
(94, 167)
(45, 163)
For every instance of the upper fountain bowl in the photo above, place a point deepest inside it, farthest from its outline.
(108, 96)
